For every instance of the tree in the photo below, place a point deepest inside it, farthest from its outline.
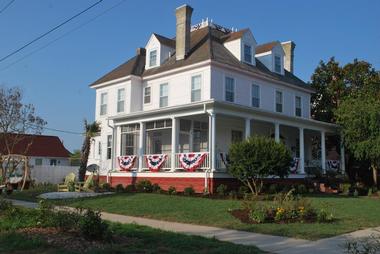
(16, 119)
(91, 130)
(256, 158)
(359, 117)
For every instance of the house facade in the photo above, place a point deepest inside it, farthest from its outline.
(170, 113)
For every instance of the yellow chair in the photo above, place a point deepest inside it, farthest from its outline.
(65, 187)
(85, 186)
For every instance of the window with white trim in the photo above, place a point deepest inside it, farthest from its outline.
(147, 92)
(279, 101)
(298, 108)
(153, 58)
(196, 84)
(38, 162)
(277, 64)
(164, 95)
(103, 104)
(120, 100)
(247, 53)
(230, 89)
(255, 96)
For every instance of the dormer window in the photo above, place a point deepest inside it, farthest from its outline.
(153, 58)
(277, 64)
(247, 53)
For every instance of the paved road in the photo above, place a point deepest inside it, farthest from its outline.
(273, 244)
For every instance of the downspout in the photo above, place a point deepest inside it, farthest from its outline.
(112, 150)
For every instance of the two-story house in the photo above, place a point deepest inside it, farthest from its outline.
(170, 113)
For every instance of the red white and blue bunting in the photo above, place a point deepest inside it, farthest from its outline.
(155, 161)
(333, 165)
(294, 165)
(191, 161)
(126, 162)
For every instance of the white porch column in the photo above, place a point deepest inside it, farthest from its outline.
(302, 150)
(247, 128)
(342, 156)
(277, 132)
(174, 142)
(212, 136)
(141, 145)
(323, 151)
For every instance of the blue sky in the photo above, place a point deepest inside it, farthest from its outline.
(56, 78)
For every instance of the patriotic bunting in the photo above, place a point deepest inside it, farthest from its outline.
(333, 165)
(191, 161)
(155, 161)
(294, 165)
(126, 162)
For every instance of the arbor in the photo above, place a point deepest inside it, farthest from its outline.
(16, 119)
(256, 158)
(359, 117)
(91, 130)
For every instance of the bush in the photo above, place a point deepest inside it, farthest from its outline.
(172, 190)
(301, 189)
(221, 190)
(256, 158)
(188, 191)
(243, 190)
(258, 215)
(5, 205)
(156, 188)
(144, 186)
(233, 194)
(106, 186)
(324, 216)
(272, 188)
(364, 245)
(92, 227)
(130, 188)
(119, 188)
(65, 221)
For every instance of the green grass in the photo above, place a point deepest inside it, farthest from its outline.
(32, 193)
(351, 213)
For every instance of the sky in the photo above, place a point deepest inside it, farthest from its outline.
(55, 72)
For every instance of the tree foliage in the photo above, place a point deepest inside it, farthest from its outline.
(91, 130)
(257, 158)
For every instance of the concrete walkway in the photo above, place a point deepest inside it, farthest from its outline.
(273, 244)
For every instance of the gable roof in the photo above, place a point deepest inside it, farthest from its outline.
(235, 35)
(206, 44)
(266, 47)
(165, 41)
(39, 145)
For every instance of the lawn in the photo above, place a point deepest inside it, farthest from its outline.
(134, 239)
(351, 213)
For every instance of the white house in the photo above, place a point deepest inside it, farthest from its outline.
(170, 113)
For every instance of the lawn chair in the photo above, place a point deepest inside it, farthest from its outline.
(85, 186)
(69, 180)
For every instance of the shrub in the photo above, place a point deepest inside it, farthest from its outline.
(364, 245)
(258, 215)
(188, 191)
(324, 216)
(144, 186)
(172, 190)
(130, 188)
(92, 227)
(256, 158)
(5, 205)
(221, 190)
(301, 189)
(243, 190)
(106, 186)
(233, 194)
(272, 188)
(65, 221)
(156, 188)
(119, 188)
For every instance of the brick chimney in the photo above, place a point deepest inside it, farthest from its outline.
(183, 25)
(140, 51)
(288, 48)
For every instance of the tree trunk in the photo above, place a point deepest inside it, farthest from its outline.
(374, 174)
(84, 158)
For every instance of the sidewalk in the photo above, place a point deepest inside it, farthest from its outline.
(274, 244)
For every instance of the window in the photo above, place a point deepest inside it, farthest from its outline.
(164, 95)
(196, 88)
(278, 101)
(200, 136)
(99, 148)
(103, 104)
(147, 95)
(53, 162)
(255, 96)
(109, 146)
(236, 136)
(247, 53)
(152, 58)
(298, 106)
(230, 89)
(277, 64)
(120, 100)
(130, 139)
(38, 162)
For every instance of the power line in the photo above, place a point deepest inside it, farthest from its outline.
(62, 36)
(56, 130)
(50, 31)
(6, 6)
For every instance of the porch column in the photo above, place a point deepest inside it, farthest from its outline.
(247, 128)
(302, 150)
(323, 151)
(212, 152)
(342, 156)
(277, 132)
(141, 145)
(174, 142)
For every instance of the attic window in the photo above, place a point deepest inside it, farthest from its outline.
(153, 58)
(277, 64)
(247, 53)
